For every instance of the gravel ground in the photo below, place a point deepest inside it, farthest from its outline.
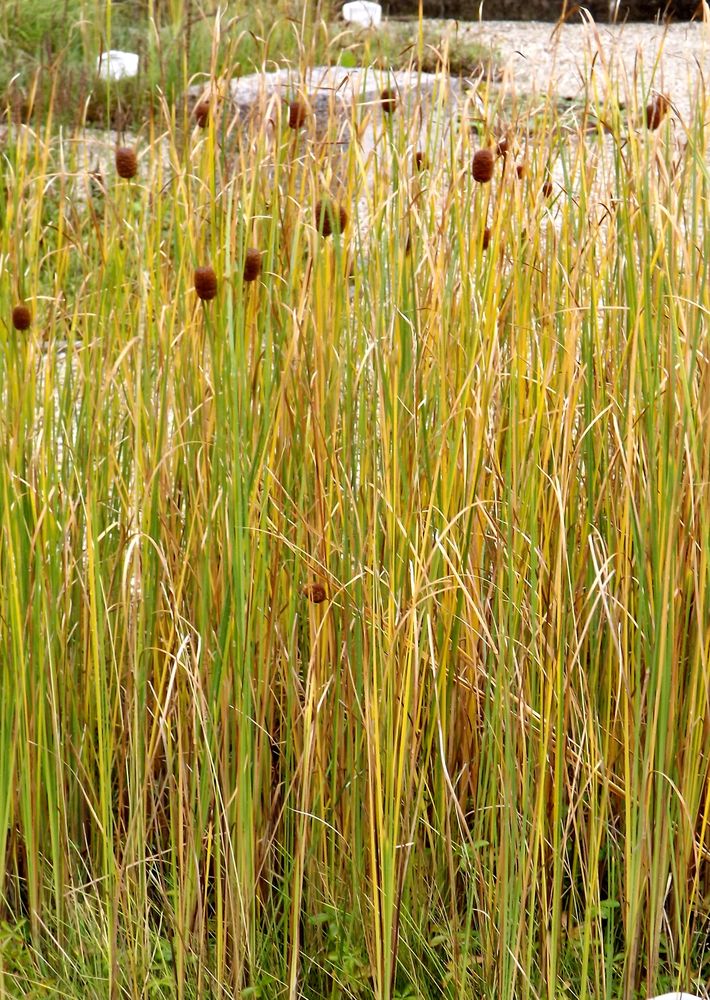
(540, 57)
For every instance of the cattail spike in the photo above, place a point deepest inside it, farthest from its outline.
(202, 113)
(315, 592)
(297, 113)
(388, 100)
(21, 317)
(252, 264)
(330, 217)
(126, 162)
(483, 163)
(656, 110)
(205, 281)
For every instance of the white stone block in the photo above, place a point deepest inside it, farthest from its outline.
(116, 65)
(363, 12)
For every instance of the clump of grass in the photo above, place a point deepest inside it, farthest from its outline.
(481, 768)
(50, 51)
(397, 44)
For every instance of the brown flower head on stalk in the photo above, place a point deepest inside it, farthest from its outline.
(330, 217)
(205, 282)
(656, 110)
(252, 264)
(483, 163)
(297, 113)
(547, 188)
(520, 170)
(126, 162)
(503, 146)
(421, 160)
(315, 592)
(202, 112)
(486, 237)
(388, 100)
(21, 317)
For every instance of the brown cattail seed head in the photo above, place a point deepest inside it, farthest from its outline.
(547, 189)
(205, 282)
(202, 113)
(330, 218)
(486, 237)
(483, 163)
(297, 114)
(252, 264)
(21, 317)
(503, 146)
(126, 162)
(520, 170)
(421, 160)
(656, 111)
(315, 592)
(388, 100)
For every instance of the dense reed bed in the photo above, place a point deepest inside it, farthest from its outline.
(354, 618)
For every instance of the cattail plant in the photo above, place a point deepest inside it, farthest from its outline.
(330, 217)
(656, 111)
(252, 264)
(483, 163)
(126, 162)
(315, 592)
(21, 317)
(205, 282)
(194, 716)
(388, 100)
(202, 113)
(421, 160)
(297, 113)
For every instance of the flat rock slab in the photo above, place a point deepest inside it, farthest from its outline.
(340, 84)
(333, 93)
